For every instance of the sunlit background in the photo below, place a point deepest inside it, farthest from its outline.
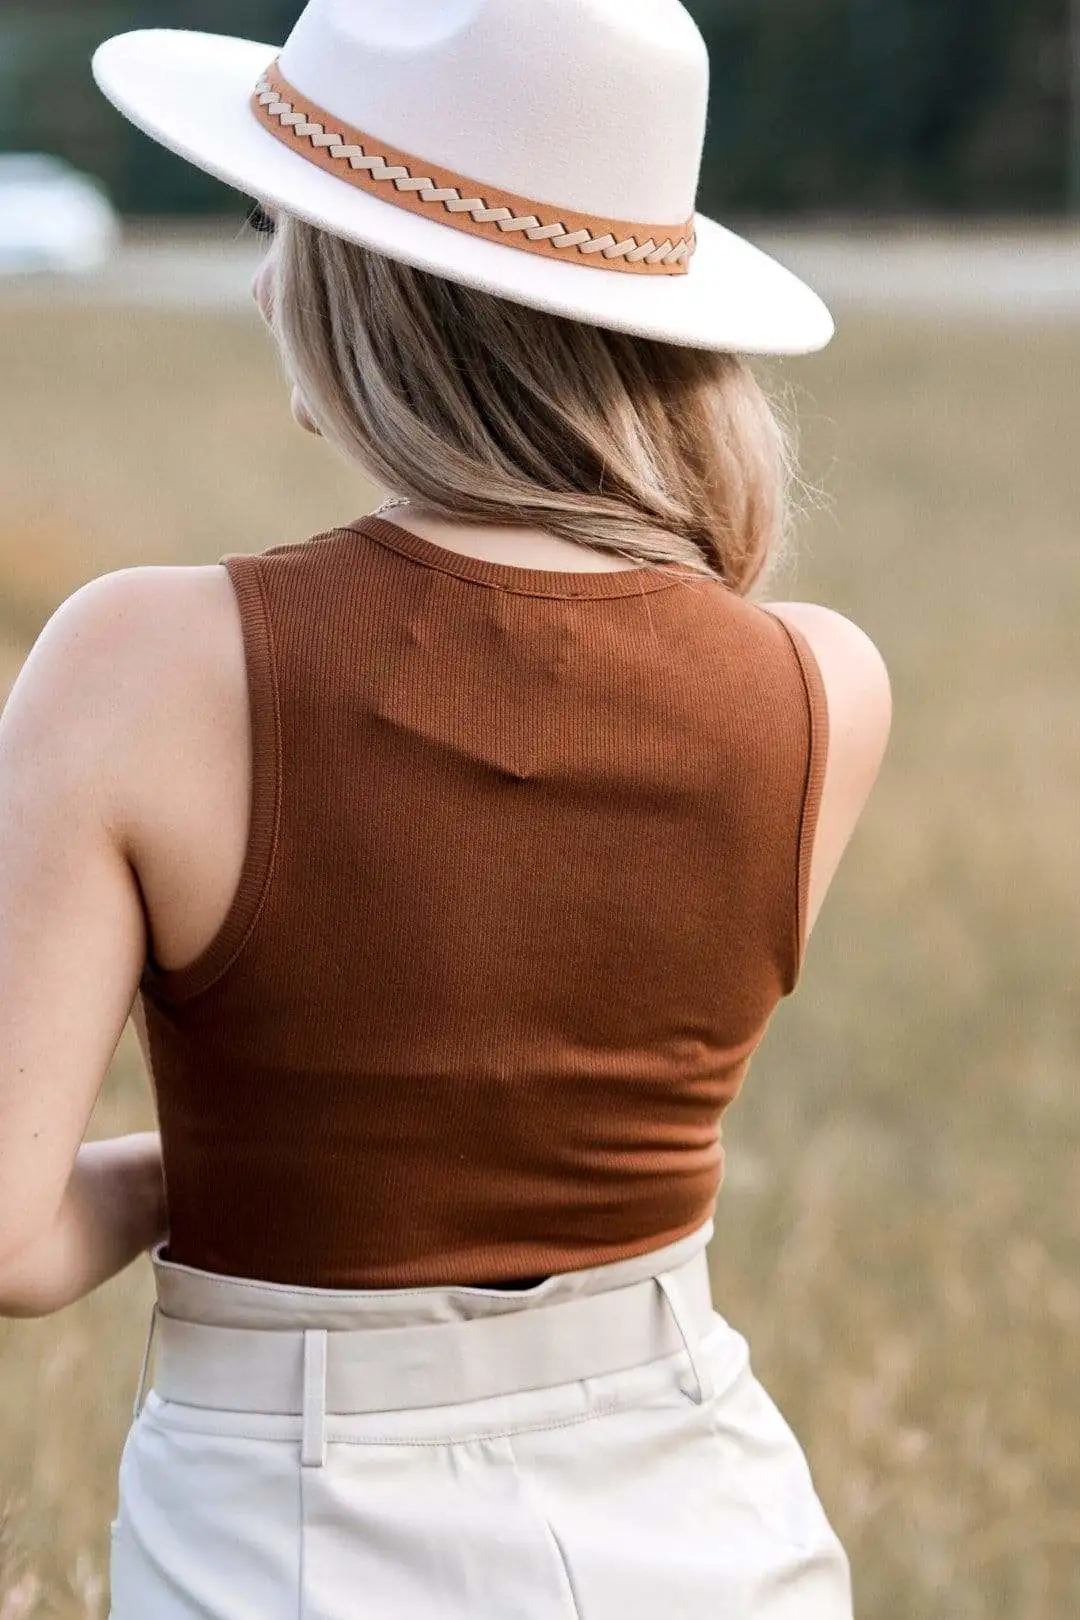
(898, 1234)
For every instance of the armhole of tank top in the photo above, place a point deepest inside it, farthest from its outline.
(814, 781)
(182, 985)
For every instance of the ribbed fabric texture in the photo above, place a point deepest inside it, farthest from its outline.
(526, 879)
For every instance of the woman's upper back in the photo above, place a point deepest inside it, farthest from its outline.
(476, 898)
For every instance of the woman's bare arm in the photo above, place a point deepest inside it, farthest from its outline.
(73, 944)
(858, 694)
(112, 1211)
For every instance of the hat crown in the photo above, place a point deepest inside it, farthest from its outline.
(596, 106)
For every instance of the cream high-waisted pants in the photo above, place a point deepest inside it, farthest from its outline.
(595, 1447)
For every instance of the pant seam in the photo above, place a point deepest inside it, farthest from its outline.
(571, 1586)
(395, 1440)
(530, 1496)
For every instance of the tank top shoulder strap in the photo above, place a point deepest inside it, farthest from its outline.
(816, 752)
(264, 707)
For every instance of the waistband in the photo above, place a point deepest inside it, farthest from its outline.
(244, 1345)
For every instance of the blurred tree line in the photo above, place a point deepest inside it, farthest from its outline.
(818, 106)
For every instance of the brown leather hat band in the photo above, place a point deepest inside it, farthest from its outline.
(452, 199)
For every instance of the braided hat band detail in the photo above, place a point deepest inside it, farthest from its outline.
(452, 199)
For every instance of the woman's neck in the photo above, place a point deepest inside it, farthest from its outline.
(518, 547)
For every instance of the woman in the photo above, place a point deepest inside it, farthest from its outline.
(459, 858)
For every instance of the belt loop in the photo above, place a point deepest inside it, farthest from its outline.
(313, 1432)
(141, 1391)
(671, 1290)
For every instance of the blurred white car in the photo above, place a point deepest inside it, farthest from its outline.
(52, 217)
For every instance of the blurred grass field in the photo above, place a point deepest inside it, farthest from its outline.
(899, 1234)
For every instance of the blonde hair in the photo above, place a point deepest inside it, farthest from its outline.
(488, 411)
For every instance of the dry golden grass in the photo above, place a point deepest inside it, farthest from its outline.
(899, 1234)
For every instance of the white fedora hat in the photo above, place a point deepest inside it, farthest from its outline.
(547, 151)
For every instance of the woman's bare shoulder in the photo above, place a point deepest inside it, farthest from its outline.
(858, 696)
(848, 659)
(165, 645)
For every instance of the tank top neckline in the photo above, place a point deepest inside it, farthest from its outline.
(526, 581)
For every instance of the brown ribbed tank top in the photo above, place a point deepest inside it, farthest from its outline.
(526, 877)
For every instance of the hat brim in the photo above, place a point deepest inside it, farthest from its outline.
(191, 92)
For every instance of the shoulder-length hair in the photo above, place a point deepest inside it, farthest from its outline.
(488, 411)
